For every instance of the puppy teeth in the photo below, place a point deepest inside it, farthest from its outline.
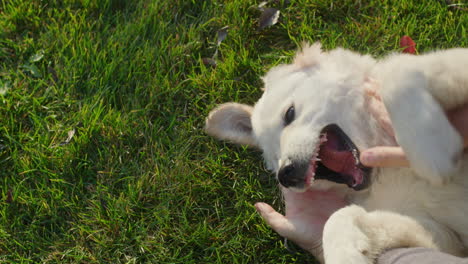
(356, 158)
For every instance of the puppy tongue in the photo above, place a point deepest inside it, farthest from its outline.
(335, 158)
(339, 161)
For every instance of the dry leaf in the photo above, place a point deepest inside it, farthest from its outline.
(457, 6)
(408, 45)
(269, 17)
(209, 62)
(32, 69)
(9, 198)
(261, 5)
(36, 57)
(71, 133)
(4, 87)
(222, 34)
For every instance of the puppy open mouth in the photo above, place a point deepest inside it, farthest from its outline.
(336, 159)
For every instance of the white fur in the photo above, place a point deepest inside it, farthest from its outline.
(425, 205)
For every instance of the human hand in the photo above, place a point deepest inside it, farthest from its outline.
(305, 217)
(386, 156)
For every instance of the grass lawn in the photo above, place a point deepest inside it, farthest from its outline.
(103, 158)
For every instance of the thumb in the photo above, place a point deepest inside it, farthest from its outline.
(277, 221)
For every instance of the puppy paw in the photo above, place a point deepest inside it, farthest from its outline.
(344, 241)
(430, 142)
(349, 256)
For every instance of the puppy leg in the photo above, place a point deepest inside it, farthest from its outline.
(354, 236)
(343, 239)
(431, 143)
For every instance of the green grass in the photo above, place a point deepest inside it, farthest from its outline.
(140, 182)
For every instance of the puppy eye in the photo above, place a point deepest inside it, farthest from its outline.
(289, 116)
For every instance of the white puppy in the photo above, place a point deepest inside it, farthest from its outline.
(312, 121)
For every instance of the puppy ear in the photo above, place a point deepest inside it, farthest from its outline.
(309, 55)
(231, 121)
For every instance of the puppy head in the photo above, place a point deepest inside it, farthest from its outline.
(310, 121)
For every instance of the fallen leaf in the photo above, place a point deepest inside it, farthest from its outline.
(37, 57)
(209, 62)
(261, 5)
(268, 18)
(408, 45)
(4, 87)
(222, 34)
(9, 198)
(71, 133)
(32, 69)
(456, 6)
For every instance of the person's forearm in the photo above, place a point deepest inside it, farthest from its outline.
(418, 256)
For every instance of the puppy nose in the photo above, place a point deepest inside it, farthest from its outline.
(287, 175)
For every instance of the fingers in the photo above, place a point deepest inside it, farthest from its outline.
(377, 109)
(381, 156)
(394, 156)
(277, 221)
(370, 89)
(379, 112)
(459, 119)
(384, 157)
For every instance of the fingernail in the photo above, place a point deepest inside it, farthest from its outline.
(258, 207)
(368, 157)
